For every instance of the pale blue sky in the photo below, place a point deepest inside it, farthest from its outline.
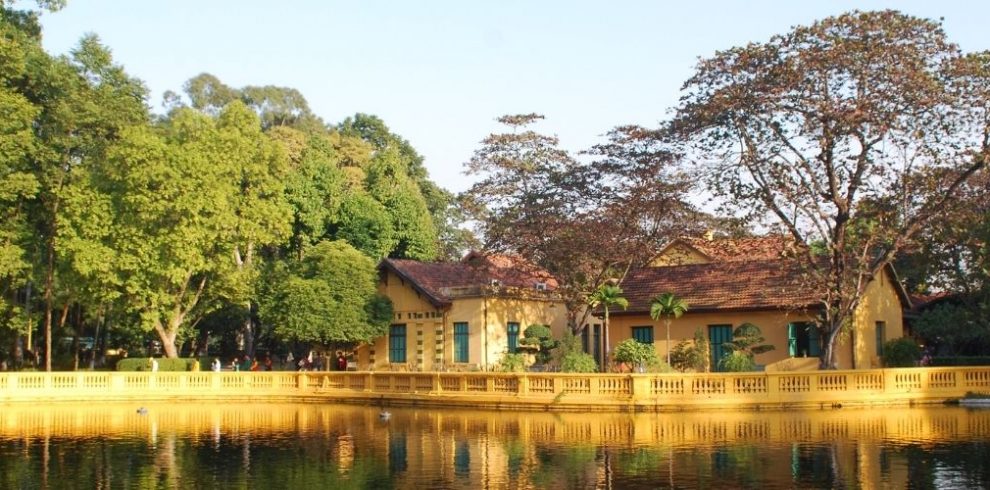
(440, 72)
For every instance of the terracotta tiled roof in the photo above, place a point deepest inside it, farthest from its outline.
(739, 249)
(921, 302)
(739, 285)
(442, 281)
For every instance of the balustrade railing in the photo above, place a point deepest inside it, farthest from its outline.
(565, 390)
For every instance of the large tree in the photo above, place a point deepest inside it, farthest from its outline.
(328, 297)
(193, 200)
(586, 221)
(854, 133)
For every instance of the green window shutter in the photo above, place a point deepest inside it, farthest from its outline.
(461, 337)
(814, 340)
(397, 343)
(643, 335)
(513, 337)
(718, 335)
(792, 339)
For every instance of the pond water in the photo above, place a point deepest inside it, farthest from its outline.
(290, 446)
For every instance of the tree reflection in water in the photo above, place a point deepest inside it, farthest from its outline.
(299, 445)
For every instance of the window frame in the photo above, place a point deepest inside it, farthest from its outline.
(397, 350)
(462, 342)
(643, 331)
(512, 337)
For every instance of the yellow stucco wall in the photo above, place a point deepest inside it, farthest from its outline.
(855, 350)
(880, 304)
(430, 330)
(678, 254)
(773, 324)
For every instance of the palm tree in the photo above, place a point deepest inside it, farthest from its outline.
(668, 307)
(607, 295)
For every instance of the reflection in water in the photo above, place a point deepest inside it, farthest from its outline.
(298, 445)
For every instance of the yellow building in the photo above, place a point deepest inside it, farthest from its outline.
(460, 315)
(727, 282)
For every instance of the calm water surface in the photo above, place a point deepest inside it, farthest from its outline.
(297, 446)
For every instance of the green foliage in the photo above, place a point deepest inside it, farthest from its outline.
(538, 340)
(692, 355)
(512, 363)
(737, 362)
(667, 306)
(328, 296)
(578, 362)
(635, 353)
(388, 183)
(365, 223)
(606, 296)
(902, 352)
(956, 329)
(164, 364)
(748, 339)
(946, 361)
(572, 359)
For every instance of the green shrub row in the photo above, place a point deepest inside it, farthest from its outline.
(961, 361)
(164, 364)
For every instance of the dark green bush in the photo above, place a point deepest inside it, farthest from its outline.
(164, 364)
(902, 352)
(538, 340)
(961, 361)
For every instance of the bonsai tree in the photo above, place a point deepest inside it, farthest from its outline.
(606, 296)
(668, 307)
(747, 342)
(636, 353)
(538, 340)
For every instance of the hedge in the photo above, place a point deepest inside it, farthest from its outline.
(164, 364)
(961, 361)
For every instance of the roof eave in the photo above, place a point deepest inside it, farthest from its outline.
(433, 299)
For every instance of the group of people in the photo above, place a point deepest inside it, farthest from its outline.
(245, 364)
(319, 363)
(310, 362)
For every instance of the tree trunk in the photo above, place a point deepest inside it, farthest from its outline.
(668, 341)
(827, 359)
(249, 329)
(605, 360)
(49, 273)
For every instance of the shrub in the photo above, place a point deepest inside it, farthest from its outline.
(636, 353)
(538, 340)
(571, 356)
(737, 362)
(164, 364)
(691, 355)
(902, 352)
(578, 362)
(961, 361)
(512, 363)
(748, 339)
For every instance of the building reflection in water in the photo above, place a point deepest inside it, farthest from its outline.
(177, 446)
